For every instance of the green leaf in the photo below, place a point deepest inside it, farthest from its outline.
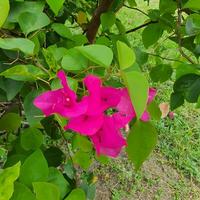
(35, 168)
(154, 111)
(21, 192)
(62, 30)
(141, 141)
(151, 34)
(141, 56)
(132, 3)
(138, 90)
(192, 25)
(11, 87)
(21, 44)
(44, 191)
(167, 6)
(176, 100)
(74, 60)
(56, 177)
(99, 54)
(7, 178)
(69, 169)
(192, 4)
(10, 122)
(82, 143)
(55, 5)
(23, 73)
(107, 20)
(161, 73)
(4, 7)
(54, 156)
(83, 159)
(17, 8)
(33, 114)
(30, 22)
(76, 194)
(31, 139)
(126, 55)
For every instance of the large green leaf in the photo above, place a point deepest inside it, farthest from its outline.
(62, 30)
(56, 177)
(107, 20)
(151, 34)
(126, 55)
(21, 44)
(193, 4)
(35, 168)
(176, 100)
(30, 22)
(4, 7)
(73, 60)
(17, 8)
(167, 6)
(7, 178)
(31, 139)
(10, 122)
(76, 194)
(138, 90)
(44, 191)
(21, 192)
(23, 73)
(161, 73)
(141, 141)
(55, 5)
(99, 54)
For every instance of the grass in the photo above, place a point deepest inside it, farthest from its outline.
(173, 169)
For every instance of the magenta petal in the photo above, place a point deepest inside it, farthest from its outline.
(152, 94)
(108, 140)
(110, 97)
(85, 124)
(145, 116)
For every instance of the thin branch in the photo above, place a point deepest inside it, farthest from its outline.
(137, 9)
(141, 26)
(170, 59)
(178, 32)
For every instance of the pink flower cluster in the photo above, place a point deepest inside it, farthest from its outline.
(88, 117)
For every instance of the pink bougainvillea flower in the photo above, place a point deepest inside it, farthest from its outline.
(62, 101)
(108, 140)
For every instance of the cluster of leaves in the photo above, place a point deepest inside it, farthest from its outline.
(40, 37)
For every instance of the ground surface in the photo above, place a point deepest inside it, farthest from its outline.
(173, 170)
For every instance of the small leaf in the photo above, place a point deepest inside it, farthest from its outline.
(56, 177)
(176, 100)
(55, 5)
(10, 122)
(62, 30)
(31, 139)
(76, 194)
(192, 4)
(81, 18)
(83, 159)
(126, 55)
(7, 178)
(99, 54)
(73, 60)
(151, 34)
(138, 90)
(141, 141)
(107, 20)
(154, 111)
(54, 156)
(23, 73)
(21, 192)
(4, 7)
(192, 25)
(161, 73)
(132, 3)
(30, 22)
(21, 44)
(44, 190)
(167, 6)
(35, 168)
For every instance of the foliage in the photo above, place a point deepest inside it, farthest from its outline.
(39, 38)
